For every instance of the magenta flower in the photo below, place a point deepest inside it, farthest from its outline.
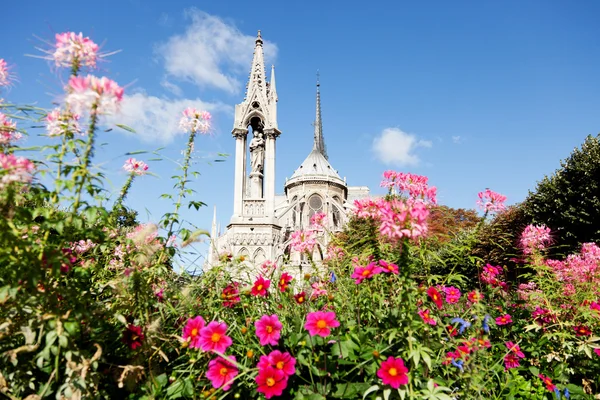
(515, 349)
(284, 281)
(191, 331)
(452, 294)
(388, 267)
(268, 330)
(195, 121)
(222, 372)
(73, 49)
(260, 287)
(491, 201)
(511, 361)
(278, 360)
(597, 351)
(320, 323)
(135, 167)
(362, 273)
(474, 296)
(427, 318)
(582, 330)
(435, 296)
(504, 320)
(271, 382)
(231, 295)
(213, 338)
(393, 372)
(535, 238)
(133, 336)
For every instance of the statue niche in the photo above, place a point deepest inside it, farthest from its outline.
(257, 158)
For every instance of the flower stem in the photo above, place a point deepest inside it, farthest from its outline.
(87, 155)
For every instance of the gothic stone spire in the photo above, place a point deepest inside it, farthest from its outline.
(319, 142)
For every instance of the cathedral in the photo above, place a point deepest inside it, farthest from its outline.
(262, 221)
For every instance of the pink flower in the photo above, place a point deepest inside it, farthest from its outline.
(435, 296)
(59, 123)
(83, 246)
(94, 95)
(515, 349)
(284, 281)
(427, 318)
(260, 287)
(191, 331)
(268, 330)
(490, 273)
(320, 323)
(491, 201)
(582, 330)
(135, 167)
(133, 336)
(317, 290)
(535, 238)
(318, 220)
(597, 351)
(595, 306)
(278, 360)
(14, 169)
(511, 361)
(362, 273)
(5, 76)
(388, 267)
(222, 372)
(303, 241)
(73, 49)
(548, 382)
(8, 130)
(412, 185)
(271, 382)
(504, 320)
(474, 296)
(452, 294)
(213, 338)
(195, 121)
(393, 372)
(231, 295)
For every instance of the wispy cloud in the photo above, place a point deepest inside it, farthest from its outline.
(396, 147)
(457, 139)
(210, 53)
(157, 119)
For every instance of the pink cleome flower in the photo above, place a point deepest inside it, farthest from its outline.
(278, 360)
(14, 169)
(361, 273)
(320, 323)
(260, 287)
(318, 220)
(191, 331)
(94, 95)
(8, 131)
(58, 123)
(73, 49)
(194, 120)
(303, 241)
(5, 76)
(135, 167)
(412, 185)
(491, 201)
(271, 382)
(222, 372)
(268, 330)
(213, 338)
(393, 372)
(535, 238)
(427, 318)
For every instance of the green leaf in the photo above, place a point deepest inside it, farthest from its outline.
(125, 127)
(132, 153)
(370, 390)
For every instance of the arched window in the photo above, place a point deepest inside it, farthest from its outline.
(315, 205)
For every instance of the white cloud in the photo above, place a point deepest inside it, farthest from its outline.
(211, 53)
(171, 87)
(457, 139)
(157, 119)
(393, 146)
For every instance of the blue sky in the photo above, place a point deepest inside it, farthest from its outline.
(473, 94)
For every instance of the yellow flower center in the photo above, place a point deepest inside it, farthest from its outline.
(269, 329)
(393, 372)
(215, 337)
(194, 332)
(366, 272)
(270, 382)
(280, 365)
(223, 371)
(300, 299)
(321, 324)
(259, 287)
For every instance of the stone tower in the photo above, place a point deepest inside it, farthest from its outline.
(253, 230)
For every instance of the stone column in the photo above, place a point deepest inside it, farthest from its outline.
(240, 170)
(271, 135)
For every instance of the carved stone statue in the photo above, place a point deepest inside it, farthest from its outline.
(257, 152)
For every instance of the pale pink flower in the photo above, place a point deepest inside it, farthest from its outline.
(94, 95)
(535, 238)
(318, 220)
(135, 167)
(491, 201)
(334, 253)
(6, 77)
(410, 185)
(14, 169)
(59, 123)
(195, 121)
(318, 289)
(82, 246)
(73, 49)
(8, 131)
(303, 240)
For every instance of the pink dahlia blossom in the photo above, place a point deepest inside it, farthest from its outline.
(361, 273)
(260, 287)
(511, 361)
(452, 294)
(271, 382)
(213, 338)
(231, 295)
(515, 349)
(58, 123)
(75, 50)
(191, 331)
(268, 330)
(195, 121)
(135, 167)
(388, 267)
(8, 130)
(278, 360)
(427, 318)
(14, 169)
(94, 95)
(284, 281)
(491, 201)
(303, 241)
(222, 372)
(320, 323)
(393, 372)
(504, 320)
(535, 238)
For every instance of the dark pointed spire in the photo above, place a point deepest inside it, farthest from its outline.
(319, 144)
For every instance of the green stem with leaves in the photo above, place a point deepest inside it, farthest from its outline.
(185, 169)
(87, 155)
